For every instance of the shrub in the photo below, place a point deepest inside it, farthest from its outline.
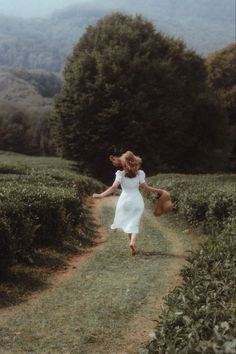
(200, 316)
(207, 201)
(42, 208)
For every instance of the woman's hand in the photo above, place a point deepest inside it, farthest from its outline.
(96, 195)
(107, 192)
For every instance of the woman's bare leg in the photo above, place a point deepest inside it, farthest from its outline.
(132, 244)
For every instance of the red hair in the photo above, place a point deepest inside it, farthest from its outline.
(129, 162)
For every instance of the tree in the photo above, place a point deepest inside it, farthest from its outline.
(221, 67)
(128, 87)
(208, 136)
(13, 128)
(25, 131)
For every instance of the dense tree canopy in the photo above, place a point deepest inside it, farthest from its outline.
(24, 131)
(222, 77)
(26, 99)
(128, 86)
(221, 67)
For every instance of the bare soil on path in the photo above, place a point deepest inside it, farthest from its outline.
(106, 302)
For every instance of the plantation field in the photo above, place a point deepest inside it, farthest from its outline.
(44, 211)
(42, 206)
(109, 300)
(22, 163)
(207, 200)
(200, 316)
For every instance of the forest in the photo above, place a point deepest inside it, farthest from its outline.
(125, 79)
(26, 100)
(47, 42)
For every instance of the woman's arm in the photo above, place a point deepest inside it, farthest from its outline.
(108, 191)
(150, 189)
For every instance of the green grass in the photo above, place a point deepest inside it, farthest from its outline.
(34, 162)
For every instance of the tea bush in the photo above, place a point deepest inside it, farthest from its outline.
(207, 201)
(40, 208)
(200, 316)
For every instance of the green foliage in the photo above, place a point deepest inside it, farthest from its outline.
(208, 201)
(41, 208)
(22, 162)
(31, 90)
(14, 126)
(25, 104)
(46, 83)
(199, 316)
(25, 131)
(222, 80)
(222, 77)
(129, 87)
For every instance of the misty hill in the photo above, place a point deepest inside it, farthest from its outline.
(205, 25)
(29, 89)
(43, 43)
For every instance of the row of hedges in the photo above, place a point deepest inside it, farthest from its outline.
(41, 208)
(203, 200)
(200, 316)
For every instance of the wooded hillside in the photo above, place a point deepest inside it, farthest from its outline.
(205, 25)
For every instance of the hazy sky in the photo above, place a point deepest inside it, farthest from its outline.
(32, 8)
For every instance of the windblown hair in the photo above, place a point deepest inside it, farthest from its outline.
(129, 162)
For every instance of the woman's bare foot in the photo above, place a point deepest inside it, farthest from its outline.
(133, 249)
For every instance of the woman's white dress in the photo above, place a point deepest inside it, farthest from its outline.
(130, 205)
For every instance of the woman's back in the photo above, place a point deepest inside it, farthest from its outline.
(130, 205)
(130, 184)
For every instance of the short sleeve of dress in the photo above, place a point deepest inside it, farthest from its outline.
(141, 176)
(118, 176)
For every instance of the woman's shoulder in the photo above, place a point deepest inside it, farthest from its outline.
(119, 173)
(141, 176)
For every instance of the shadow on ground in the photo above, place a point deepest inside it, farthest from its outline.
(147, 254)
(23, 279)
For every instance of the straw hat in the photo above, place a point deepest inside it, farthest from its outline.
(163, 205)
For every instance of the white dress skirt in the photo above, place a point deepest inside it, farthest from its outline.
(130, 205)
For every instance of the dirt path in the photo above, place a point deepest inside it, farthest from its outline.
(107, 301)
